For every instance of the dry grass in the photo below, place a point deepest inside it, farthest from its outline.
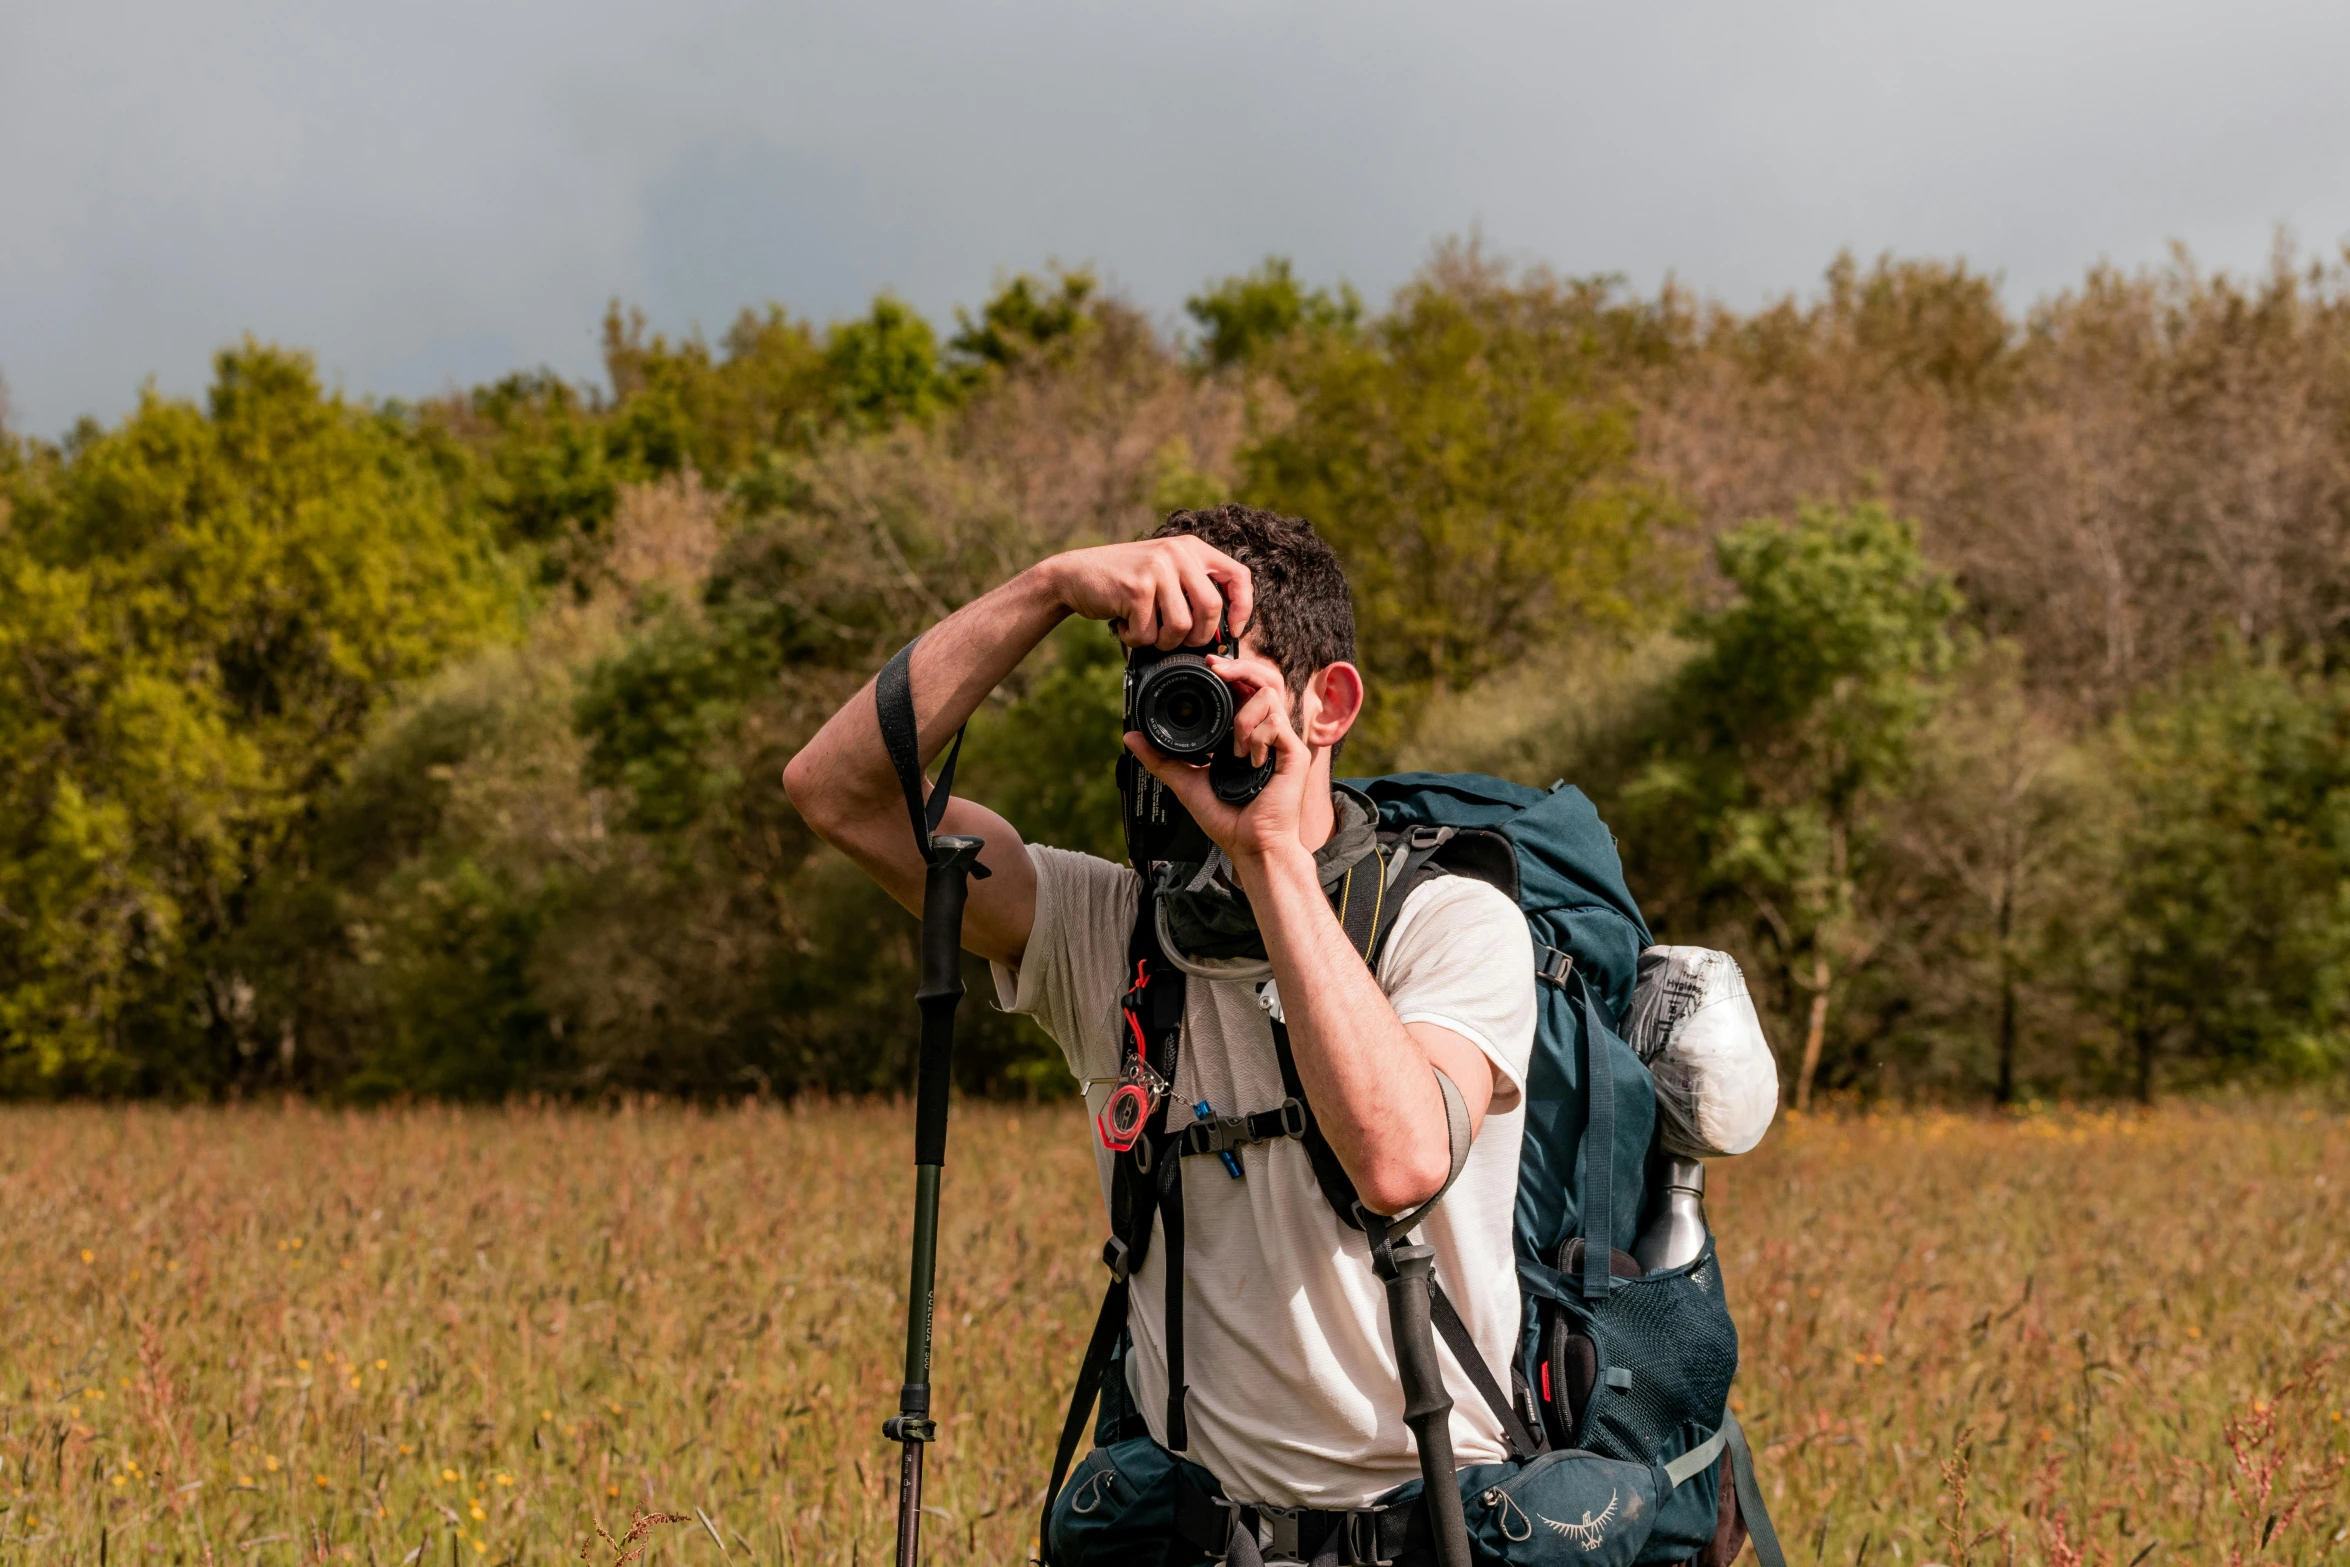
(287, 1335)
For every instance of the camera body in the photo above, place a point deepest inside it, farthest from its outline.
(1185, 710)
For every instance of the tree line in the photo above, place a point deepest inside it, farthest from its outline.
(1974, 676)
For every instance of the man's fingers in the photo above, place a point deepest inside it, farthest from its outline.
(1139, 626)
(1232, 580)
(1248, 672)
(1175, 613)
(1256, 727)
(1207, 605)
(1189, 783)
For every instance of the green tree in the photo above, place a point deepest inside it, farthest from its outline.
(200, 610)
(884, 367)
(2230, 858)
(1793, 726)
(1025, 316)
(1244, 318)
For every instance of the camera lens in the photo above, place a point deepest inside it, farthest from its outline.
(1183, 708)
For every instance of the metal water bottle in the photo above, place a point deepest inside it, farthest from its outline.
(1676, 1236)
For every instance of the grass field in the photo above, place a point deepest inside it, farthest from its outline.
(281, 1335)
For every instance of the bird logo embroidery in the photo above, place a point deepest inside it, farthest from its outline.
(1587, 1533)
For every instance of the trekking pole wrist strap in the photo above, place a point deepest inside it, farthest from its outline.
(901, 737)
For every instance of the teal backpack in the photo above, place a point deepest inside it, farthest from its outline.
(1616, 1407)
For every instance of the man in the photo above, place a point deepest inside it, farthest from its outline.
(1293, 1395)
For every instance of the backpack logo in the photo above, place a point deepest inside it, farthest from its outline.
(1591, 1530)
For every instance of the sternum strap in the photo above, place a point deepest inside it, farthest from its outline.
(1224, 1133)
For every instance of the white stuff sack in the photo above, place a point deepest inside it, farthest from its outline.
(1694, 1026)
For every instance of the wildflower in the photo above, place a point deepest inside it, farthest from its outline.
(244, 1479)
(88, 1256)
(406, 1451)
(448, 1477)
(475, 1509)
(383, 1365)
(2194, 1333)
(546, 1414)
(324, 1484)
(302, 1365)
(611, 1490)
(122, 1480)
(354, 1381)
(480, 1549)
(507, 1479)
(269, 1462)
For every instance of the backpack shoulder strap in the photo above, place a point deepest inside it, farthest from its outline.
(1139, 1189)
(1368, 900)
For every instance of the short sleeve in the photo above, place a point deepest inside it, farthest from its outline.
(1073, 969)
(1460, 958)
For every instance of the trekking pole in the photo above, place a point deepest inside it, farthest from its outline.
(951, 861)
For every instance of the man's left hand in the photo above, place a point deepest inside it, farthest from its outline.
(1269, 825)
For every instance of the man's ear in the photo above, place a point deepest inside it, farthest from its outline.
(1338, 702)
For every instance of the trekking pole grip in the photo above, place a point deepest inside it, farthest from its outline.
(946, 889)
(1427, 1408)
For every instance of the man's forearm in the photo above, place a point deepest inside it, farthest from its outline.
(844, 772)
(1368, 1079)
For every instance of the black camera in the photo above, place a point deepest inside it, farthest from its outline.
(1184, 709)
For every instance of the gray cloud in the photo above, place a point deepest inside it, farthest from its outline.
(431, 193)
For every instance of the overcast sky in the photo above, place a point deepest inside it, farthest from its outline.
(433, 192)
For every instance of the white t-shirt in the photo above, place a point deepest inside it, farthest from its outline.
(1287, 1350)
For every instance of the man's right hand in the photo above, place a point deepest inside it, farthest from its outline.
(1163, 593)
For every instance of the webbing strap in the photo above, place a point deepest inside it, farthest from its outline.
(901, 736)
(1599, 1154)
(1224, 1133)
(1170, 1175)
(1694, 1462)
(1106, 1327)
(1363, 1537)
(1524, 1445)
(1751, 1510)
(1373, 892)
(1338, 1187)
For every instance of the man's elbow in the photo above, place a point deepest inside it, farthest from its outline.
(817, 806)
(1401, 1181)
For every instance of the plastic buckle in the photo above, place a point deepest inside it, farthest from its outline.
(1114, 1255)
(1279, 1538)
(1361, 1537)
(1555, 966)
(1293, 1118)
